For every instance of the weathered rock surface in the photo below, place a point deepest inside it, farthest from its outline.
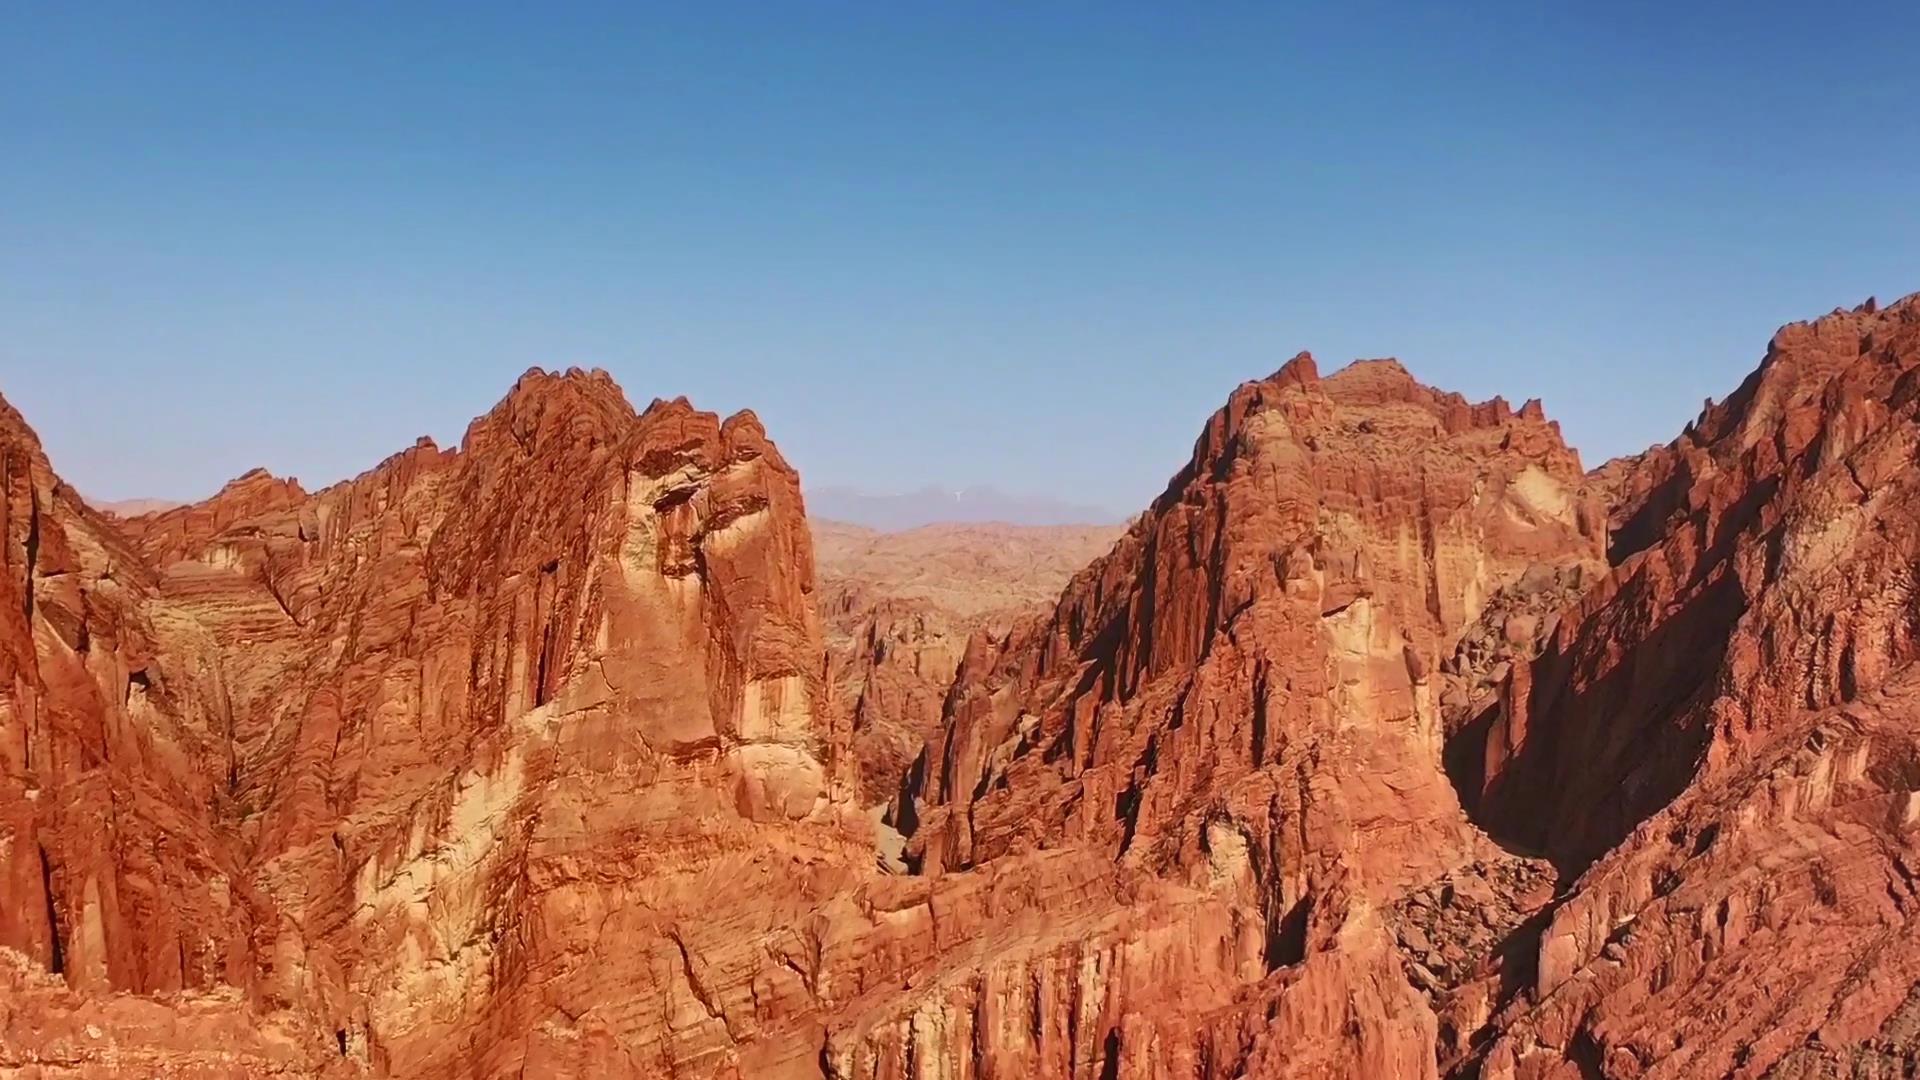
(1719, 740)
(1511, 629)
(525, 758)
(1244, 696)
(124, 869)
(520, 757)
(414, 739)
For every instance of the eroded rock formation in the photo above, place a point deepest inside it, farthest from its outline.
(1244, 697)
(530, 757)
(430, 748)
(1719, 739)
(124, 866)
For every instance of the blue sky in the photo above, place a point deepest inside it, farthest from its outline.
(1023, 245)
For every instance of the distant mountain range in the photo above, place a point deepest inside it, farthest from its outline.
(133, 507)
(932, 505)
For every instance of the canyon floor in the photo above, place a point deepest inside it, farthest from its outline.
(1388, 741)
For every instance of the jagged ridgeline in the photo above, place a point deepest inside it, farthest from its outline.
(1386, 742)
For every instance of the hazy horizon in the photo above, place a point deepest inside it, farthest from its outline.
(1020, 249)
(891, 509)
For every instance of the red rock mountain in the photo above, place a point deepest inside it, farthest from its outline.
(416, 761)
(1386, 742)
(1243, 699)
(1719, 740)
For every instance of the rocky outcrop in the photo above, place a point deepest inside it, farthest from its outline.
(1324, 549)
(892, 661)
(1716, 740)
(416, 738)
(1756, 926)
(498, 734)
(1753, 583)
(525, 758)
(1512, 627)
(1243, 696)
(124, 868)
(176, 533)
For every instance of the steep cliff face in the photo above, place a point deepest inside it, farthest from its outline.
(123, 867)
(1310, 567)
(1759, 576)
(603, 622)
(525, 758)
(1724, 724)
(477, 719)
(1243, 697)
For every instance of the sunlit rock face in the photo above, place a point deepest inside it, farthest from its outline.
(1243, 697)
(427, 757)
(1385, 743)
(128, 919)
(522, 756)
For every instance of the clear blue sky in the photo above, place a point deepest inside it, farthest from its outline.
(1025, 245)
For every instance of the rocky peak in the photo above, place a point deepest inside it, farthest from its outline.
(1768, 522)
(545, 406)
(1301, 370)
(1278, 558)
(1243, 694)
(1717, 740)
(521, 759)
(580, 604)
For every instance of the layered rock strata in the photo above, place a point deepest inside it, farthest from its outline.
(527, 757)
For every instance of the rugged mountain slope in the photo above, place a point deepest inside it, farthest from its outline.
(1321, 553)
(123, 868)
(1726, 724)
(524, 758)
(471, 730)
(1244, 696)
(522, 761)
(899, 607)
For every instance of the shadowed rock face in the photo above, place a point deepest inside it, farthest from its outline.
(530, 758)
(1316, 559)
(1720, 741)
(1759, 575)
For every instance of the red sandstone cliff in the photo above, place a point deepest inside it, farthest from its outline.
(1243, 697)
(414, 738)
(124, 864)
(1719, 741)
(520, 755)
(525, 758)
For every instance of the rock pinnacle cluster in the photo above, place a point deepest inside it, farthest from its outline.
(1388, 741)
